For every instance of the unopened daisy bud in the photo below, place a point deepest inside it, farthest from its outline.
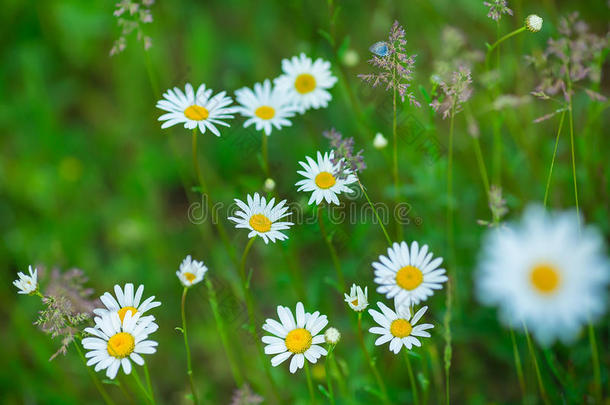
(191, 271)
(357, 299)
(332, 336)
(27, 284)
(533, 23)
(380, 141)
(350, 58)
(269, 185)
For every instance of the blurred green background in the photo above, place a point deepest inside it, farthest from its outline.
(89, 180)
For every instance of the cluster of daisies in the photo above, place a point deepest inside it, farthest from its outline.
(303, 85)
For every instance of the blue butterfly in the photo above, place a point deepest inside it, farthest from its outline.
(379, 48)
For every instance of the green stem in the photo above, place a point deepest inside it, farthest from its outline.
(331, 248)
(385, 232)
(327, 370)
(147, 395)
(93, 376)
(573, 154)
(251, 318)
(207, 198)
(597, 378)
(312, 396)
(518, 366)
(186, 346)
(148, 382)
(220, 325)
(411, 377)
(384, 392)
(548, 181)
(499, 41)
(265, 154)
(532, 351)
(395, 146)
(481, 164)
(151, 75)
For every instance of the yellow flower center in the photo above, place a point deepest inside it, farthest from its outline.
(409, 277)
(121, 345)
(123, 311)
(325, 180)
(298, 340)
(545, 278)
(305, 83)
(265, 112)
(260, 223)
(189, 276)
(400, 328)
(196, 113)
(355, 302)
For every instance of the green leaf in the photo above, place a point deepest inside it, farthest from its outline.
(179, 329)
(197, 189)
(343, 47)
(110, 382)
(323, 390)
(327, 36)
(423, 381)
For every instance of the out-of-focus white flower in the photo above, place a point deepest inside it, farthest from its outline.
(191, 271)
(380, 141)
(545, 273)
(533, 23)
(350, 58)
(269, 185)
(27, 284)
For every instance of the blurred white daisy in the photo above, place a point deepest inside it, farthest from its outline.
(398, 328)
(262, 218)
(115, 342)
(295, 337)
(191, 271)
(27, 284)
(357, 299)
(306, 82)
(546, 273)
(126, 301)
(195, 109)
(533, 23)
(332, 336)
(265, 107)
(322, 177)
(409, 275)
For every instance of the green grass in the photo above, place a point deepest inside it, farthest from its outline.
(89, 180)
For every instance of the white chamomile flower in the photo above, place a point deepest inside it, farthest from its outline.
(262, 218)
(265, 107)
(323, 178)
(409, 275)
(295, 337)
(398, 328)
(357, 299)
(545, 273)
(533, 23)
(191, 271)
(27, 284)
(114, 342)
(306, 82)
(332, 336)
(126, 301)
(195, 109)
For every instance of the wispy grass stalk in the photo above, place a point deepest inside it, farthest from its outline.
(385, 232)
(222, 332)
(96, 381)
(548, 181)
(148, 382)
(411, 378)
(265, 154)
(532, 351)
(518, 366)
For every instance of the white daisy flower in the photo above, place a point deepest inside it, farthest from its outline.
(265, 107)
(115, 342)
(306, 82)
(195, 109)
(545, 273)
(295, 337)
(409, 275)
(126, 301)
(262, 218)
(332, 336)
(27, 284)
(357, 299)
(191, 271)
(398, 327)
(380, 141)
(322, 177)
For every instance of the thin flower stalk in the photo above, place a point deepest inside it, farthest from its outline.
(548, 181)
(147, 395)
(331, 249)
(385, 232)
(327, 369)
(373, 367)
(96, 381)
(312, 396)
(518, 366)
(189, 366)
(532, 352)
(411, 378)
